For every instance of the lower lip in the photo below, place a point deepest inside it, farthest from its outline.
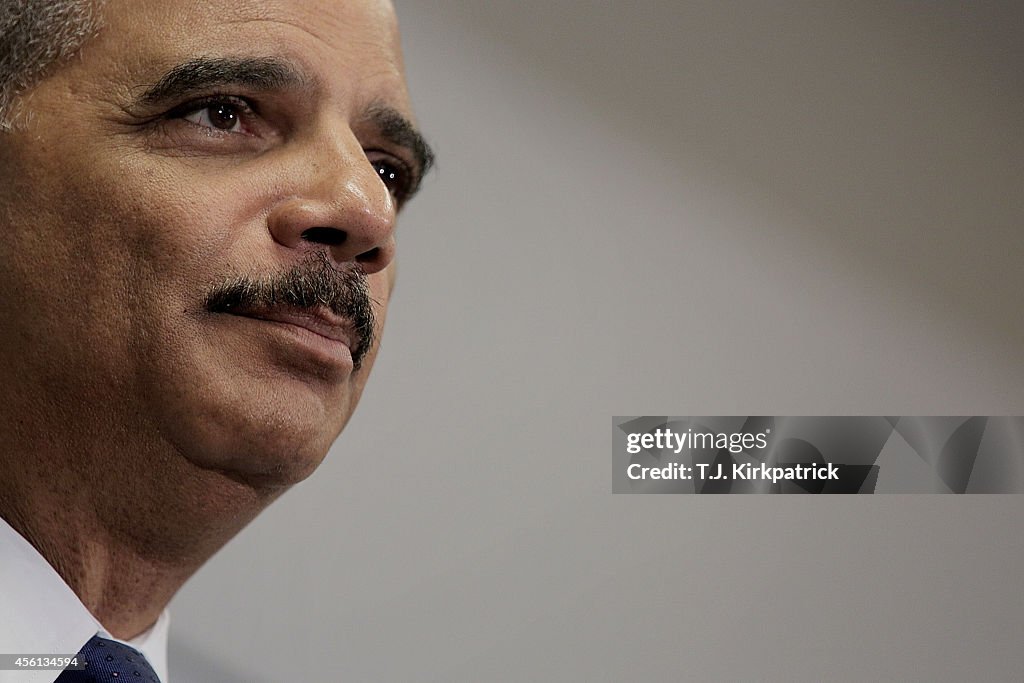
(324, 350)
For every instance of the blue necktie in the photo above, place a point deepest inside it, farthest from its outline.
(108, 661)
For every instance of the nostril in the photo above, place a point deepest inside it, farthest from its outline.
(330, 237)
(369, 256)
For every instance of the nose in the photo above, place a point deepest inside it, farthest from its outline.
(341, 206)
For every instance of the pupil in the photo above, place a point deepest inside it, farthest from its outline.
(224, 116)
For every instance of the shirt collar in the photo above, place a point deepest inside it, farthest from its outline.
(43, 616)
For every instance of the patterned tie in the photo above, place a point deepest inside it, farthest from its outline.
(108, 661)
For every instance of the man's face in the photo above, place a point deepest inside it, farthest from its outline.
(198, 216)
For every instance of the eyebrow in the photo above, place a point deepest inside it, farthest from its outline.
(260, 73)
(269, 73)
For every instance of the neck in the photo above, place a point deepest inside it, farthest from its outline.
(123, 528)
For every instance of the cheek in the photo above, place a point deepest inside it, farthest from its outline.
(130, 223)
(140, 240)
(380, 285)
(380, 292)
(186, 225)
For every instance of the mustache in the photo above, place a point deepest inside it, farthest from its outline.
(314, 283)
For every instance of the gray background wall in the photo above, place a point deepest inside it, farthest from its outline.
(672, 208)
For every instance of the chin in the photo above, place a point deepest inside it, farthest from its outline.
(261, 442)
(266, 455)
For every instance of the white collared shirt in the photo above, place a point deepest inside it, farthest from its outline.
(41, 615)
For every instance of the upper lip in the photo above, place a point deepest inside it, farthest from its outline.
(319, 320)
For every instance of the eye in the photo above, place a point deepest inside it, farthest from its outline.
(395, 177)
(222, 115)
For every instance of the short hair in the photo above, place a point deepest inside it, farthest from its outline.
(36, 35)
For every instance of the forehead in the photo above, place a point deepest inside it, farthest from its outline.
(350, 47)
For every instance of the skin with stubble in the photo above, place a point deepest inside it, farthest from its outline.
(198, 213)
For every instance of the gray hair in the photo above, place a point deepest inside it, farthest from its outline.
(36, 35)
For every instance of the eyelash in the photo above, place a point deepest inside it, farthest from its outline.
(400, 187)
